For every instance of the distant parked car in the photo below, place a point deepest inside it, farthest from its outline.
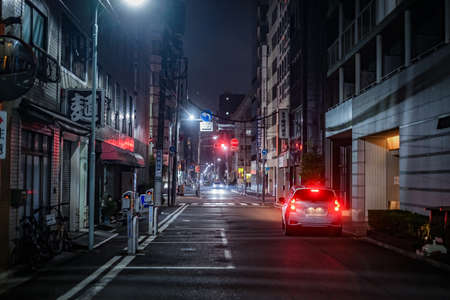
(308, 207)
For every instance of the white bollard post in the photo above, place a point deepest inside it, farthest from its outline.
(155, 221)
(131, 227)
(150, 219)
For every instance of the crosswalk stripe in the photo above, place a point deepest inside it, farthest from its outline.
(243, 204)
(255, 204)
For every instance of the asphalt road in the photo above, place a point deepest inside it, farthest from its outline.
(227, 246)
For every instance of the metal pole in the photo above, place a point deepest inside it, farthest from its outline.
(245, 158)
(198, 160)
(93, 121)
(161, 119)
(177, 137)
(264, 159)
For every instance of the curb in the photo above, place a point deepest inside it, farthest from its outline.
(411, 255)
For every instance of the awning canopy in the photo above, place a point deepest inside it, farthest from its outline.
(114, 155)
(30, 109)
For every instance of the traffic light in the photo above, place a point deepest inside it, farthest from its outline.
(234, 144)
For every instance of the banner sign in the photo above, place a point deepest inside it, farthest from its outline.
(283, 125)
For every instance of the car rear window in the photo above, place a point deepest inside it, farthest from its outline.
(313, 195)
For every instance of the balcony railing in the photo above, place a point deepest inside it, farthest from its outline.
(348, 38)
(367, 20)
(333, 53)
(48, 69)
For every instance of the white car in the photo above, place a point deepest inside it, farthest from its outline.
(311, 207)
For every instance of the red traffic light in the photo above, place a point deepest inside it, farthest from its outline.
(234, 142)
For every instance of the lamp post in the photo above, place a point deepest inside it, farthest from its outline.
(93, 118)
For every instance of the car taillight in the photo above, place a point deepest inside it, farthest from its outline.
(337, 206)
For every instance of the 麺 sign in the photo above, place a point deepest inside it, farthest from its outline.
(3, 122)
(79, 108)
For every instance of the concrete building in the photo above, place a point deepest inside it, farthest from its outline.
(241, 157)
(387, 125)
(259, 87)
(277, 98)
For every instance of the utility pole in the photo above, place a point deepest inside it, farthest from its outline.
(198, 160)
(245, 158)
(264, 158)
(161, 119)
(93, 124)
(177, 128)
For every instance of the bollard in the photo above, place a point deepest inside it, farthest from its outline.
(131, 226)
(155, 221)
(150, 219)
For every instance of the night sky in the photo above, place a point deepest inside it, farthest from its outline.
(218, 42)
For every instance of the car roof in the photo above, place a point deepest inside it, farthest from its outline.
(303, 187)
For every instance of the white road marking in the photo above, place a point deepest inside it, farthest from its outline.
(162, 228)
(224, 238)
(105, 280)
(143, 245)
(189, 242)
(177, 228)
(88, 279)
(227, 254)
(179, 268)
(96, 288)
(243, 204)
(255, 204)
(188, 249)
(105, 240)
(230, 204)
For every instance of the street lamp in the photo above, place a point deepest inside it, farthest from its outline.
(134, 2)
(93, 118)
(191, 117)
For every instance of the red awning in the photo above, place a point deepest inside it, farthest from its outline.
(114, 155)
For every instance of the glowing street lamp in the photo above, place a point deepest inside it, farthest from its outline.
(91, 176)
(134, 2)
(191, 117)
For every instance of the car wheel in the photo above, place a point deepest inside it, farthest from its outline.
(287, 230)
(338, 231)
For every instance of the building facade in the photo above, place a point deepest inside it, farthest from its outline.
(387, 123)
(46, 165)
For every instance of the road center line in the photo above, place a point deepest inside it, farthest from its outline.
(180, 268)
(88, 279)
(227, 254)
(224, 237)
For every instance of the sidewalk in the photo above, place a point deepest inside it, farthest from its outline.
(357, 229)
(103, 235)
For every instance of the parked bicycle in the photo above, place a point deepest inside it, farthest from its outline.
(42, 236)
